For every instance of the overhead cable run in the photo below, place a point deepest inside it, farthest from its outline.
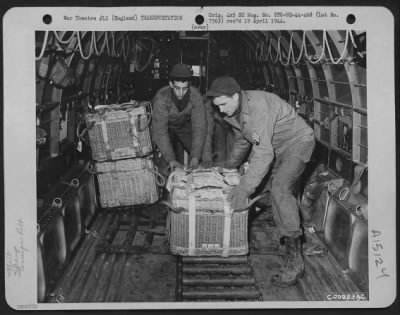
(263, 50)
(139, 51)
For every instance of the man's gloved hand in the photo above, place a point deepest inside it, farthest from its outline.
(174, 164)
(238, 198)
(207, 164)
(194, 163)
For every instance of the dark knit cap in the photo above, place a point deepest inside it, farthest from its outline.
(180, 71)
(223, 86)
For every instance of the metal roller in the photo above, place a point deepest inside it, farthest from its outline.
(222, 293)
(215, 260)
(219, 282)
(216, 279)
(216, 270)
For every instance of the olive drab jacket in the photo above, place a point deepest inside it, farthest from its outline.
(268, 125)
(166, 113)
(207, 148)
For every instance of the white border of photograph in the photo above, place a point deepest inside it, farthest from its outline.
(19, 26)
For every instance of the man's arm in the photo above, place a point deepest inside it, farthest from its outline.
(207, 148)
(262, 154)
(199, 124)
(240, 149)
(159, 129)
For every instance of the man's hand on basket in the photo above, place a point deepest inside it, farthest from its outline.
(174, 164)
(238, 198)
(207, 164)
(194, 163)
(224, 164)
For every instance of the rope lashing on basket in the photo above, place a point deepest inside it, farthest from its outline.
(109, 119)
(147, 124)
(344, 193)
(81, 134)
(124, 106)
(171, 207)
(138, 105)
(160, 180)
(180, 209)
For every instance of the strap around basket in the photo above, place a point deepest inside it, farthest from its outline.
(105, 137)
(135, 135)
(192, 224)
(227, 226)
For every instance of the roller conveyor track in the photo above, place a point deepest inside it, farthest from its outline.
(124, 257)
(216, 279)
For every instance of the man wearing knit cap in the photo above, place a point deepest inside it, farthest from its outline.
(179, 111)
(277, 137)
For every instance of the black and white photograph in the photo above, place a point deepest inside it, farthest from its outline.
(199, 157)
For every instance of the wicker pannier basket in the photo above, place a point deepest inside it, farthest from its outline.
(128, 182)
(119, 131)
(202, 223)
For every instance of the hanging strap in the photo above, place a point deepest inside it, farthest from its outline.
(192, 224)
(358, 173)
(227, 226)
(105, 137)
(135, 136)
(192, 215)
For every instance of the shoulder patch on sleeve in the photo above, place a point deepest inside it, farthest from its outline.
(255, 137)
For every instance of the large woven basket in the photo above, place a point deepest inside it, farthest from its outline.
(127, 182)
(203, 223)
(119, 131)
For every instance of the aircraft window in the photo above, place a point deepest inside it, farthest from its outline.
(323, 89)
(363, 96)
(341, 129)
(325, 130)
(322, 121)
(362, 87)
(307, 81)
(341, 83)
(360, 136)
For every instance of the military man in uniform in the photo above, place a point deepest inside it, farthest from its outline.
(179, 111)
(277, 136)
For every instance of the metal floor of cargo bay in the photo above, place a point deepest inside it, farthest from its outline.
(124, 257)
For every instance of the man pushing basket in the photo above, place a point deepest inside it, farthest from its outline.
(276, 136)
(179, 110)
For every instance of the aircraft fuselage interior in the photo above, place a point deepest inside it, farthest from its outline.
(93, 251)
